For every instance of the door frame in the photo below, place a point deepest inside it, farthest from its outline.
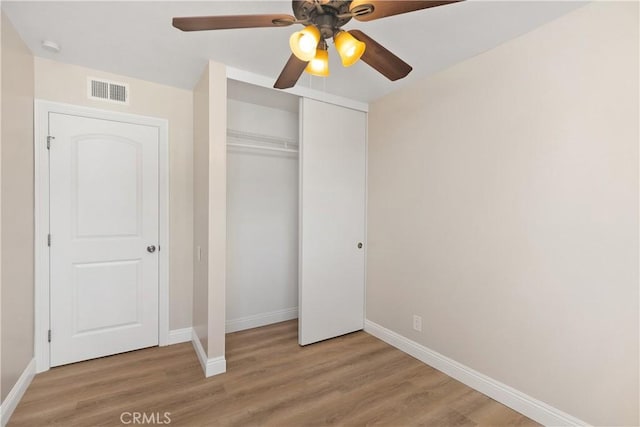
(42, 108)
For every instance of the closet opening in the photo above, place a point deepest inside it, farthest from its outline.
(262, 207)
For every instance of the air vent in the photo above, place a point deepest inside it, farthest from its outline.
(105, 90)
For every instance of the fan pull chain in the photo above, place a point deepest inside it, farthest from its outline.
(324, 88)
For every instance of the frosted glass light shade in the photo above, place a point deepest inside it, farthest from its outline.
(319, 66)
(349, 48)
(303, 43)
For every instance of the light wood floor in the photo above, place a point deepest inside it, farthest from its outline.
(352, 380)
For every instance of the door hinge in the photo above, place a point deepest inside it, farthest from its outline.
(49, 138)
(49, 335)
(49, 240)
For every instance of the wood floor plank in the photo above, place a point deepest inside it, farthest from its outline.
(351, 380)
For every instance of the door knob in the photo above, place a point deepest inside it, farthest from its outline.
(151, 249)
(359, 245)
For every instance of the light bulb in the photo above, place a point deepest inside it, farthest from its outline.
(349, 48)
(319, 66)
(306, 43)
(303, 43)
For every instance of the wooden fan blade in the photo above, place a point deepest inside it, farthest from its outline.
(199, 23)
(383, 8)
(290, 73)
(382, 60)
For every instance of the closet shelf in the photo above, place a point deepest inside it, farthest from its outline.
(257, 141)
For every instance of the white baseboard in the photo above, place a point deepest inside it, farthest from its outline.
(20, 387)
(211, 367)
(177, 336)
(525, 404)
(262, 319)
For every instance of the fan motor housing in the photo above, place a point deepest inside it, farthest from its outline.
(327, 22)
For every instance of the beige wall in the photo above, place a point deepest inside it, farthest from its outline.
(503, 209)
(210, 199)
(55, 81)
(17, 207)
(201, 124)
(217, 208)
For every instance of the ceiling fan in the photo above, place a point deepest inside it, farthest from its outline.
(323, 19)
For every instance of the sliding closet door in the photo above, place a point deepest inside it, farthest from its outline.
(332, 221)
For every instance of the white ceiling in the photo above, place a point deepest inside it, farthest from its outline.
(137, 39)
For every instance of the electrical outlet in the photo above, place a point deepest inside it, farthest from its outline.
(417, 323)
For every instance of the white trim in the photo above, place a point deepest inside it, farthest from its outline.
(514, 399)
(41, 209)
(301, 146)
(211, 367)
(41, 229)
(164, 245)
(366, 212)
(17, 391)
(259, 80)
(262, 319)
(177, 336)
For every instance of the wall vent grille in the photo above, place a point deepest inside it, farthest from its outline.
(105, 90)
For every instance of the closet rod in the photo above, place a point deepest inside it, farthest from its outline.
(257, 137)
(261, 147)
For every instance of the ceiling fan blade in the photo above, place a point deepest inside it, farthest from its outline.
(382, 60)
(199, 23)
(290, 73)
(384, 8)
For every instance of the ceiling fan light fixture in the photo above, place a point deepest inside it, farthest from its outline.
(349, 48)
(319, 66)
(323, 19)
(303, 43)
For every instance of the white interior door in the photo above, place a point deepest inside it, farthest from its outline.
(104, 237)
(332, 221)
